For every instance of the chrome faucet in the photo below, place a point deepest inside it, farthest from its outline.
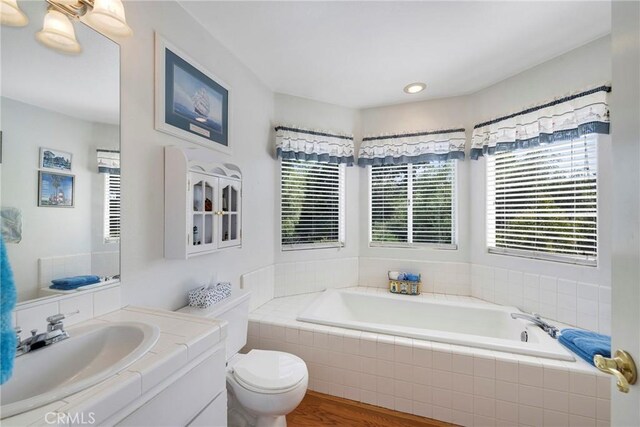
(55, 333)
(535, 318)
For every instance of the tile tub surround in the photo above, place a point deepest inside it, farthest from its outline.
(458, 384)
(571, 302)
(292, 278)
(183, 339)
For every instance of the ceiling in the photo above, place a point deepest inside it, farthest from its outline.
(86, 86)
(362, 54)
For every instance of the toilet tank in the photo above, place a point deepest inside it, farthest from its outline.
(235, 310)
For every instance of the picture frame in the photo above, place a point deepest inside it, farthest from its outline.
(191, 102)
(53, 159)
(56, 190)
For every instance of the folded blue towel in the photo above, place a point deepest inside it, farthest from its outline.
(7, 303)
(586, 344)
(69, 283)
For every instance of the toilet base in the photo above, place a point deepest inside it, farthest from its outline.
(279, 421)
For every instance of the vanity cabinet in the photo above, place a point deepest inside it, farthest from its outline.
(203, 204)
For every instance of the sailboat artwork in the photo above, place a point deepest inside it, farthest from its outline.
(201, 105)
(195, 106)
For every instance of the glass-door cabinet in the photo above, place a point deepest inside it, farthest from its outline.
(229, 214)
(203, 231)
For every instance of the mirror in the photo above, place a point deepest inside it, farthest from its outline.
(60, 118)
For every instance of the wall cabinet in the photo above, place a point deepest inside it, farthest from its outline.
(203, 204)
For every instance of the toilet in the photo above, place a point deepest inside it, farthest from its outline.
(263, 386)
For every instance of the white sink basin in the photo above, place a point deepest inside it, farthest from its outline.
(91, 354)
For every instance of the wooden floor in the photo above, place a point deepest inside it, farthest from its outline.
(319, 409)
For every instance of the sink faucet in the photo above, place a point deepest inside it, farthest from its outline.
(55, 333)
(535, 318)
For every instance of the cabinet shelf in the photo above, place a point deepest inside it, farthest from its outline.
(203, 203)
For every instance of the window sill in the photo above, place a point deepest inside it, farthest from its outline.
(541, 256)
(312, 246)
(447, 247)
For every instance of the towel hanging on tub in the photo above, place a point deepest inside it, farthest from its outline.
(586, 344)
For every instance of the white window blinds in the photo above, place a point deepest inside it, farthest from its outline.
(312, 204)
(413, 205)
(111, 208)
(542, 202)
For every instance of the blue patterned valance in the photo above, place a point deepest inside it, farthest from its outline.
(416, 147)
(109, 161)
(317, 146)
(559, 120)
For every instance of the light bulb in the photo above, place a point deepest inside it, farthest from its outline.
(414, 87)
(58, 33)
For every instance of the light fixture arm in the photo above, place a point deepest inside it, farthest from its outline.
(75, 11)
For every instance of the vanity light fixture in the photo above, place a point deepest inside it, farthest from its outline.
(105, 16)
(58, 33)
(11, 14)
(414, 87)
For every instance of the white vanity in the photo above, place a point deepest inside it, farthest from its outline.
(178, 381)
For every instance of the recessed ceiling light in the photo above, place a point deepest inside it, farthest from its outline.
(414, 87)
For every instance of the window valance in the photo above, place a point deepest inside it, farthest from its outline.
(417, 147)
(559, 120)
(319, 146)
(109, 161)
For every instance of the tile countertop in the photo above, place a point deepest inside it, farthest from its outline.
(182, 339)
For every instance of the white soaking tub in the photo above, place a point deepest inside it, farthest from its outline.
(455, 322)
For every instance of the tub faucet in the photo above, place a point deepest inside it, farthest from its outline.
(55, 333)
(535, 318)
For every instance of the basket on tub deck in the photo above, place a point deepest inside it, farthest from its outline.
(206, 296)
(404, 283)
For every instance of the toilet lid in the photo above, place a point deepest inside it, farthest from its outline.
(270, 370)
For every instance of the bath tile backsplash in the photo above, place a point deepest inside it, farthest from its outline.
(440, 277)
(585, 305)
(89, 304)
(294, 278)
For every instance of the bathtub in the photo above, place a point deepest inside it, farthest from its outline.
(464, 323)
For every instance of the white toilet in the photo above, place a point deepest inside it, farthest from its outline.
(262, 386)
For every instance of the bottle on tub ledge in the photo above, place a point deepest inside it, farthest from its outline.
(404, 283)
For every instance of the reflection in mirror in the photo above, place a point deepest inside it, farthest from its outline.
(60, 159)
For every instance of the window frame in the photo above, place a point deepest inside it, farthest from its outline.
(341, 213)
(106, 224)
(548, 256)
(409, 244)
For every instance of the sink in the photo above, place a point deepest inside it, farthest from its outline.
(92, 354)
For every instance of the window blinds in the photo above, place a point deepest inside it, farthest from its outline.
(542, 202)
(112, 208)
(312, 204)
(413, 204)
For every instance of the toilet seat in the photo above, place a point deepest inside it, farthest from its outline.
(269, 371)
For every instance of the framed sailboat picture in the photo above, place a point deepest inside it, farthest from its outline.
(191, 103)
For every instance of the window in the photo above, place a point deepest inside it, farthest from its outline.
(542, 202)
(413, 205)
(312, 204)
(111, 208)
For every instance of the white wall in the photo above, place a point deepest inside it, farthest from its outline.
(49, 231)
(148, 278)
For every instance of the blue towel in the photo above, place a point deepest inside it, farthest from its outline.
(69, 283)
(586, 344)
(7, 303)
(412, 277)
